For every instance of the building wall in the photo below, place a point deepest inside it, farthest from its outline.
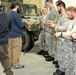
(37, 2)
(41, 3)
(68, 2)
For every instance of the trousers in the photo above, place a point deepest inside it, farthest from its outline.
(5, 60)
(14, 49)
(65, 56)
(46, 42)
(74, 58)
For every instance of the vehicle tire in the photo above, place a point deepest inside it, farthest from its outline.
(31, 43)
(27, 43)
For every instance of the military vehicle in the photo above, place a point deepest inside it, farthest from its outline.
(32, 30)
(31, 13)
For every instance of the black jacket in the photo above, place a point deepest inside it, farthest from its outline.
(4, 24)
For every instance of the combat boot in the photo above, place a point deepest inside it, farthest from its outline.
(40, 52)
(49, 58)
(58, 72)
(57, 66)
(55, 62)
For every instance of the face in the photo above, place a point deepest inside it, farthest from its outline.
(18, 9)
(59, 9)
(73, 14)
(69, 14)
(45, 11)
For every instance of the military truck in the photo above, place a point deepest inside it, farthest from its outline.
(31, 31)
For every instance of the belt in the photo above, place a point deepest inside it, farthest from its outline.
(74, 41)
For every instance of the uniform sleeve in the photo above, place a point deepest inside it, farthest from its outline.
(51, 16)
(66, 34)
(19, 20)
(74, 28)
(62, 20)
(63, 27)
(69, 33)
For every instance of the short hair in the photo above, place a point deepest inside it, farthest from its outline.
(58, 1)
(50, 1)
(14, 4)
(61, 3)
(70, 8)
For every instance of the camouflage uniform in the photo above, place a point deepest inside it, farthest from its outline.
(74, 49)
(74, 59)
(62, 20)
(65, 56)
(68, 61)
(42, 35)
(47, 33)
(66, 46)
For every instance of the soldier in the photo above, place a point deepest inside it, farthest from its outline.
(61, 21)
(67, 40)
(43, 33)
(55, 39)
(51, 16)
(73, 34)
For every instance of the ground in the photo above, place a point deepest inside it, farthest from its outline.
(34, 64)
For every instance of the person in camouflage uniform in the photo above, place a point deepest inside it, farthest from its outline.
(50, 38)
(73, 34)
(67, 48)
(48, 31)
(42, 34)
(61, 21)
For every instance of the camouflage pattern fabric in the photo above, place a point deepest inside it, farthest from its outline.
(65, 56)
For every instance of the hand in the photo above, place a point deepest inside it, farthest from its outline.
(25, 21)
(51, 24)
(57, 34)
(42, 22)
(74, 35)
(56, 29)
